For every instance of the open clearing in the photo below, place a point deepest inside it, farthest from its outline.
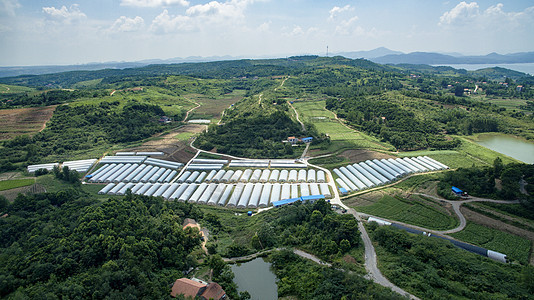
(342, 137)
(19, 121)
(212, 108)
(174, 144)
(411, 210)
(11, 184)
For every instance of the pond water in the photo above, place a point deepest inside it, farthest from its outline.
(256, 277)
(508, 145)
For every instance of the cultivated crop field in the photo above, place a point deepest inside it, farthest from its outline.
(19, 121)
(341, 136)
(16, 183)
(414, 213)
(211, 108)
(517, 248)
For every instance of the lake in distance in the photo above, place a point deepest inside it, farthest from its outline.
(511, 146)
(257, 278)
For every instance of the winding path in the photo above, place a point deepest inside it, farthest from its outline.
(297, 116)
(456, 207)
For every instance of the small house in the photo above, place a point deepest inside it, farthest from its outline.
(307, 139)
(292, 140)
(196, 288)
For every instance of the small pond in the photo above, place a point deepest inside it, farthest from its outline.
(257, 278)
(508, 145)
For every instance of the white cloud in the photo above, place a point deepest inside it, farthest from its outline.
(8, 7)
(214, 13)
(346, 27)
(336, 10)
(265, 27)
(124, 24)
(64, 14)
(460, 13)
(165, 23)
(154, 3)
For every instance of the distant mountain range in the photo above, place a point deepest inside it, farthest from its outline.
(430, 58)
(379, 55)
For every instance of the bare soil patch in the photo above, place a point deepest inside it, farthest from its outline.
(355, 156)
(174, 149)
(19, 121)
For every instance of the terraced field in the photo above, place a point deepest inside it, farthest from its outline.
(410, 212)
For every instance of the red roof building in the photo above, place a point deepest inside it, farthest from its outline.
(192, 289)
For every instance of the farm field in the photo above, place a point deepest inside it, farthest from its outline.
(19, 121)
(517, 248)
(16, 183)
(211, 108)
(413, 212)
(341, 136)
(13, 89)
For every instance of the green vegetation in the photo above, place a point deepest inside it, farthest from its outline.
(15, 183)
(432, 268)
(81, 128)
(65, 245)
(517, 248)
(311, 227)
(481, 182)
(306, 280)
(414, 212)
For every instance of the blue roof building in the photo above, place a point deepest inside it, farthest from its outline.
(285, 202)
(457, 191)
(306, 139)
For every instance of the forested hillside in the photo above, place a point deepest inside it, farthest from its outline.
(68, 245)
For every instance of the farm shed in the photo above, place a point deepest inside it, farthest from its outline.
(286, 191)
(163, 187)
(122, 159)
(217, 193)
(201, 177)
(227, 176)
(389, 176)
(293, 174)
(234, 199)
(302, 176)
(179, 191)
(346, 181)
(236, 176)
(400, 165)
(245, 196)
(106, 189)
(386, 165)
(125, 188)
(311, 177)
(321, 176)
(255, 176)
(367, 174)
(146, 187)
(80, 166)
(436, 162)
(184, 177)
(294, 190)
(207, 193)
(198, 192)
(116, 188)
(209, 161)
(152, 189)
(265, 175)
(314, 189)
(325, 190)
(202, 167)
(217, 178)
(275, 192)
(284, 175)
(304, 189)
(172, 188)
(265, 194)
(358, 185)
(429, 162)
(163, 176)
(424, 164)
(163, 163)
(210, 176)
(382, 179)
(284, 202)
(274, 176)
(246, 176)
(255, 196)
(188, 192)
(342, 184)
(225, 195)
(136, 187)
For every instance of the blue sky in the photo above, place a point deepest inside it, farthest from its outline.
(44, 32)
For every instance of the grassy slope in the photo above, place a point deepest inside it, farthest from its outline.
(16, 183)
(412, 212)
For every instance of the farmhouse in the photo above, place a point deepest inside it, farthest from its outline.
(192, 288)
